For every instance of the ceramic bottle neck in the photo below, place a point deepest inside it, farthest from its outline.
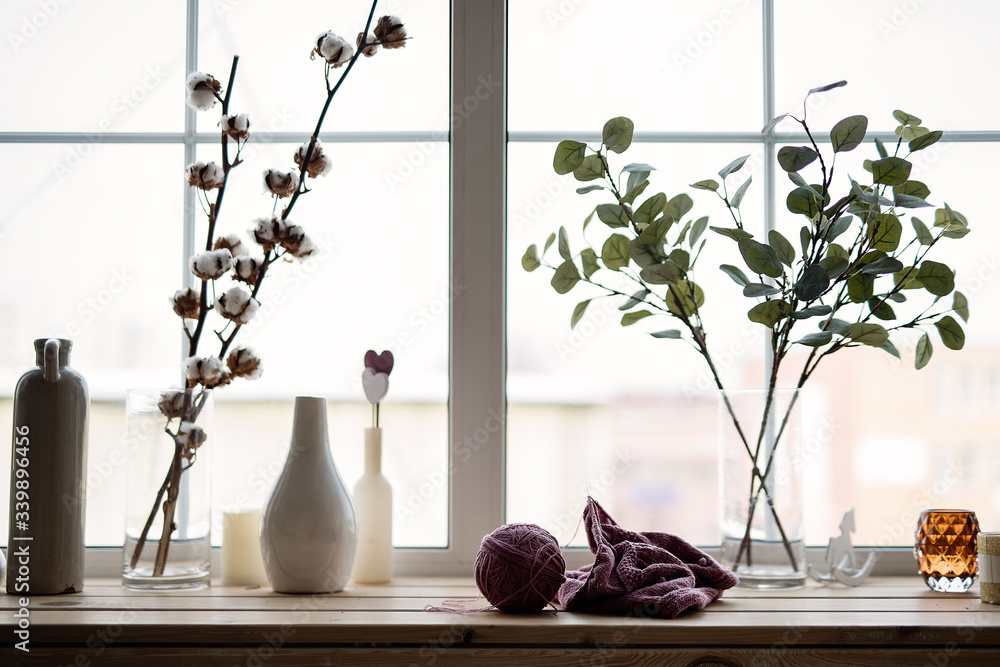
(373, 451)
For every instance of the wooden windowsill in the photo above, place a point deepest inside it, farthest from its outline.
(887, 621)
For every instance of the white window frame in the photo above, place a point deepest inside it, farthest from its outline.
(478, 149)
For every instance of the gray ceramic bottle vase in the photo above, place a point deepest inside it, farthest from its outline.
(48, 475)
(308, 529)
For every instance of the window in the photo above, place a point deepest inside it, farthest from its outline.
(503, 412)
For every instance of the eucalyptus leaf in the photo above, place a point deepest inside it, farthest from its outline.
(910, 201)
(636, 167)
(635, 299)
(589, 260)
(923, 352)
(734, 234)
(836, 229)
(961, 306)
(891, 171)
(915, 188)
(905, 118)
(813, 283)
(816, 339)
(569, 156)
(617, 135)
(737, 197)
(578, 312)
(883, 265)
(805, 239)
(848, 133)
(589, 188)
(771, 124)
(782, 248)
(634, 191)
(925, 140)
(890, 348)
(881, 309)
(684, 298)
(643, 254)
(613, 215)
(951, 333)
(924, 235)
(697, 229)
(839, 327)
(811, 311)
(823, 89)
(649, 209)
(563, 245)
(628, 319)
(885, 232)
(733, 166)
(655, 234)
(635, 178)
(548, 242)
(529, 261)
(760, 258)
(868, 333)
(936, 278)
(834, 265)
(796, 178)
(708, 184)
(678, 206)
(804, 201)
(669, 333)
(592, 167)
(681, 258)
(861, 287)
(660, 274)
(565, 277)
(759, 289)
(794, 158)
(736, 274)
(880, 147)
(586, 221)
(770, 312)
(615, 253)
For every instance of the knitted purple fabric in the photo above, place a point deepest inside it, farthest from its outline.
(641, 574)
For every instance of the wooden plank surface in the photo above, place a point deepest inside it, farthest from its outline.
(886, 621)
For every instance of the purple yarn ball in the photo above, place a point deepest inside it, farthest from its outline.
(520, 567)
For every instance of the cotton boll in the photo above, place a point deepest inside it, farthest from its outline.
(202, 90)
(212, 264)
(206, 176)
(369, 42)
(190, 435)
(233, 243)
(244, 362)
(237, 127)
(319, 163)
(281, 183)
(390, 32)
(208, 371)
(333, 48)
(245, 269)
(268, 231)
(171, 403)
(237, 305)
(297, 243)
(186, 303)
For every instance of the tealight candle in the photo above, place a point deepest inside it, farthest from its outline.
(241, 560)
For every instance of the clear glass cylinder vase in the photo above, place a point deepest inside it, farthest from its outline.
(761, 487)
(169, 480)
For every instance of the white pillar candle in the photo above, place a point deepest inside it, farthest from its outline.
(241, 560)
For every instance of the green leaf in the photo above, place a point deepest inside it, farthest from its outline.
(925, 140)
(578, 312)
(891, 170)
(770, 312)
(564, 244)
(529, 261)
(897, 297)
(683, 233)
(890, 348)
(915, 188)
(634, 190)
(861, 287)
(905, 118)
(937, 278)
(829, 86)
(628, 319)
(643, 254)
(813, 283)
(592, 167)
(681, 258)
(678, 206)
(760, 258)
(924, 351)
(816, 339)
(733, 166)
(679, 298)
(839, 227)
(880, 147)
(961, 306)
(736, 274)
(883, 265)
(617, 134)
(589, 260)
(848, 133)
(868, 333)
(804, 201)
(805, 238)
(569, 156)
(590, 216)
(635, 299)
(911, 279)
(885, 232)
(734, 234)
(737, 197)
(881, 309)
(697, 229)
(615, 253)
(909, 201)
(661, 274)
(811, 311)
(951, 333)
(834, 266)
(589, 188)
(759, 289)
(708, 184)
(839, 327)
(794, 158)
(794, 177)
(649, 209)
(782, 248)
(909, 133)
(635, 177)
(566, 277)
(548, 242)
(771, 124)
(669, 333)
(923, 233)
(655, 234)
(638, 167)
(613, 215)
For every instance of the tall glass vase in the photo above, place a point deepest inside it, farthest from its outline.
(169, 480)
(761, 487)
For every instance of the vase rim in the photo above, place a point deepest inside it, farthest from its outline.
(947, 511)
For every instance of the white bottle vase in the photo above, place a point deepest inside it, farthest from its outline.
(308, 531)
(373, 499)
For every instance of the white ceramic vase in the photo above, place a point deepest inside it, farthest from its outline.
(308, 532)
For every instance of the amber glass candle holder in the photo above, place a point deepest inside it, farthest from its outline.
(946, 549)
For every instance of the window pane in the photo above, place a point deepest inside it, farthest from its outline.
(615, 413)
(668, 66)
(91, 259)
(380, 281)
(403, 89)
(92, 67)
(925, 58)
